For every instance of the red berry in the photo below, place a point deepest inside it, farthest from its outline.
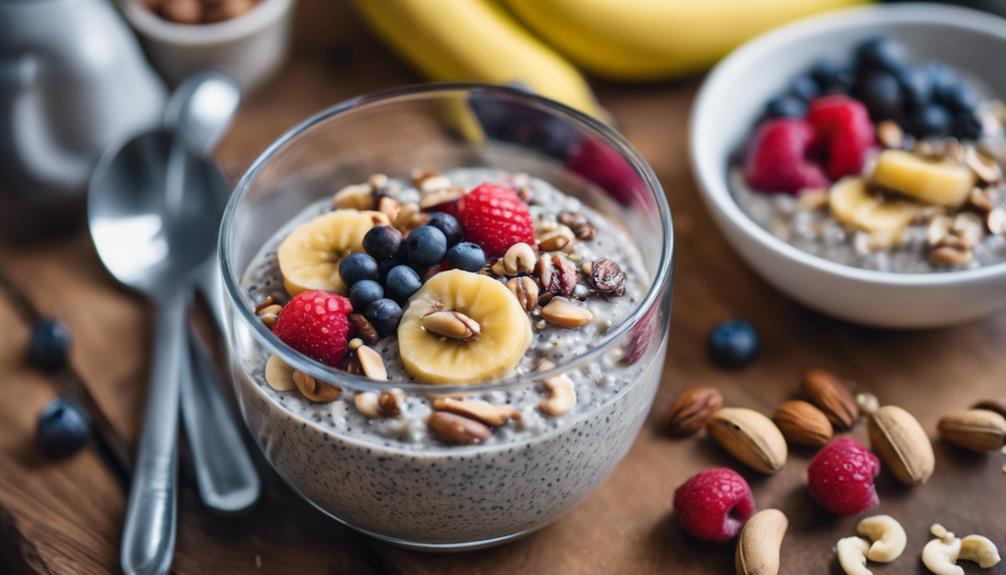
(495, 218)
(844, 129)
(316, 323)
(714, 504)
(778, 160)
(840, 477)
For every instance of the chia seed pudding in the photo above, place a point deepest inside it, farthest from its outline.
(884, 164)
(515, 457)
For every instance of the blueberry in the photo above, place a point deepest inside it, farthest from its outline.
(733, 343)
(958, 97)
(931, 120)
(382, 242)
(967, 126)
(881, 93)
(426, 246)
(832, 78)
(384, 314)
(385, 266)
(401, 283)
(449, 225)
(786, 107)
(364, 292)
(62, 428)
(466, 256)
(882, 54)
(357, 267)
(916, 86)
(805, 88)
(48, 345)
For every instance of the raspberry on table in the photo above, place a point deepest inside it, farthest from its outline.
(316, 323)
(840, 477)
(495, 218)
(714, 504)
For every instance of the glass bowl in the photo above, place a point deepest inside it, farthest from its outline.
(386, 477)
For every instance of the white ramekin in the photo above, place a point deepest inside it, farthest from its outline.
(732, 98)
(251, 47)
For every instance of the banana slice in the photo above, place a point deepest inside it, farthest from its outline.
(309, 257)
(885, 220)
(932, 182)
(504, 332)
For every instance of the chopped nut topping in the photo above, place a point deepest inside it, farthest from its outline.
(377, 182)
(812, 199)
(278, 374)
(890, 134)
(969, 227)
(561, 312)
(355, 197)
(269, 314)
(371, 363)
(374, 405)
(314, 390)
(440, 196)
(483, 411)
(364, 328)
(556, 275)
(950, 256)
(986, 168)
(389, 206)
(561, 396)
(939, 228)
(526, 291)
(980, 199)
(995, 221)
(409, 217)
(607, 277)
(427, 181)
(354, 344)
(452, 324)
(266, 302)
(457, 430)
(582, 228)
(556, 240)
(519, 258)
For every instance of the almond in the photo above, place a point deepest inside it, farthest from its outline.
(457, 430)
(803, 424)
(832, 397)
(750, 437)
(561, 312)
(991, 405)
(977, 430)
(483, 411)
(314, 390)
(691, 410)
(901, 443)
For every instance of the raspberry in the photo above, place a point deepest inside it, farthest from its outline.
(778, 160)
(844, 128)
(714, 504)
(495, 218)
(316, 324)
(840, 477)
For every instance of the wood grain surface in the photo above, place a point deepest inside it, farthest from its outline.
(65, 516)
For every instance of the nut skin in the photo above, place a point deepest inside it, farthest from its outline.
(314, 390)
(803, 424)
(366, 330)
(760, 542)
(750, 437)
(556, 275)
(691, 410)
(831, 396)
(977, 430)
(607, 277)
(457, 430)
(525, 290)
(901, 443)
(991, 405)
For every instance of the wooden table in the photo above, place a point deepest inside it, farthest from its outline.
(65, 516)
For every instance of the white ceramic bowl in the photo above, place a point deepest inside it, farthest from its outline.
(734, 95)
(251, 48)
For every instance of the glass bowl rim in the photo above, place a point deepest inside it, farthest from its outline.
(245, 313)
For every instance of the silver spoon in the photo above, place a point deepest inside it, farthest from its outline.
(199, 111)
(155, 251)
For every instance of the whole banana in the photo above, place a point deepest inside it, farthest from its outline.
(475, 40)
(652, 39)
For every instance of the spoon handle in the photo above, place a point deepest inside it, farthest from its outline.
(148, 538)
(227, 479)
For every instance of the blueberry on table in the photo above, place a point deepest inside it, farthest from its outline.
(363, 293)
(466, 256)
(831, 77)
(447, 224)
(358, 267)
(882, 53)
(916, 86)
(48, 345)
(931, 120)
(382, 242)
(786, 107)
(62, 428)
(733, 343)
(401, 283)
(384, 314)
(881, 93)
(426, 246)
(804, 87)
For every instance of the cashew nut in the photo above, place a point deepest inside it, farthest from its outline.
(561, 396)
(888, 537)
(979, 549)
(851, 553)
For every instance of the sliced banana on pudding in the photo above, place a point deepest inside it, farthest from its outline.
(938, 182)
(885, 219)
(309, 257)
(435, 350)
